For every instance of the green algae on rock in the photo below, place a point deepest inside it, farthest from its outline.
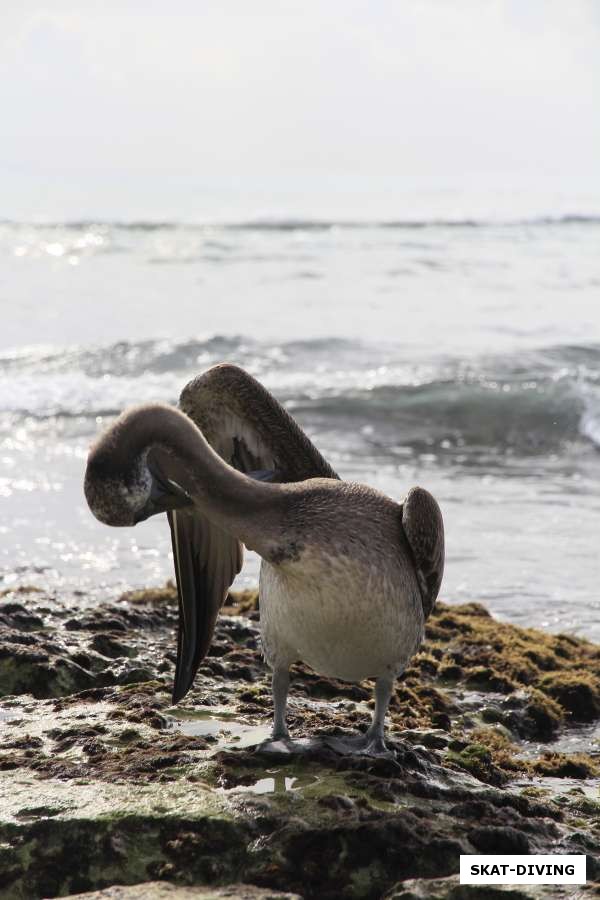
(451, 889)
(559, 673)
(161, 890)
(103, 783)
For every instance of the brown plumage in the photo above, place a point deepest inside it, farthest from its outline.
(323, 541)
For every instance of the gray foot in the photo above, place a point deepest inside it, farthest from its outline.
(285, 746)
(367, 744)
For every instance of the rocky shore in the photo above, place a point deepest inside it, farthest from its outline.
(104, 785)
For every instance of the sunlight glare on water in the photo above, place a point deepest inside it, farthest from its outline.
(463, 356)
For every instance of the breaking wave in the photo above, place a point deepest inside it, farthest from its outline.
(537, 403)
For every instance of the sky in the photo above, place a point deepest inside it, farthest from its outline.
(146, 109)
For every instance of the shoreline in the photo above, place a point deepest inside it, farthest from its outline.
(494, 728)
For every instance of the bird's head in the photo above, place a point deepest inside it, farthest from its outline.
(124, 482)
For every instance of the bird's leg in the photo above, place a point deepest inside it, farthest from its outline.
(372, 742)
(280, 743)
(375, 735)
(281, 683)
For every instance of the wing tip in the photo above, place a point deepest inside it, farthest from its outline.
(179, 691)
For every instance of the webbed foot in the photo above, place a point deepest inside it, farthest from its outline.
(286, 746)
(368, 744)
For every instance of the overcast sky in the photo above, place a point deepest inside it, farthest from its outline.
(153, 108)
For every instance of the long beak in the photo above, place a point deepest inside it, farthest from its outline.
(165, 494)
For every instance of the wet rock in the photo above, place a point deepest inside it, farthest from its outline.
(531, 715)
(17, 616)
(39, 671)
(160, 597)
(477, 759)
(549, 678)
(578, 692)
(109, 646)
(339, 803)
(450, 889)
(491, 839)
(57, 654)
(99, 785)
(436, 739)
(160, 890)
(490, 680)
(134, 675)
(95, 623)
(563, 765)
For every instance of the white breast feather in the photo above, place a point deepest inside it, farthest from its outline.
(344, 618)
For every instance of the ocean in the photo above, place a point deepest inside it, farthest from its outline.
(461, 354)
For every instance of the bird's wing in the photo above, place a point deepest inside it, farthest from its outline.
(206, 562)
(424, 529)
(247, 427)
(251, 431)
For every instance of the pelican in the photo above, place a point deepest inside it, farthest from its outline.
(348, 576)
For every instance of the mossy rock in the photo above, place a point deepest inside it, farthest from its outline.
(551, 678)
(578, 692)
(477, 759)
(152, 596)
(532, 714)
(161, 890)
(563, 765)
(101, 786)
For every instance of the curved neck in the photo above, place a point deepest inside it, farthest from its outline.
(237, 504)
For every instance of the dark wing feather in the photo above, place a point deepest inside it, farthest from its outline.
(251, 431)
(249, 428)
(424, 529)
(206, 563)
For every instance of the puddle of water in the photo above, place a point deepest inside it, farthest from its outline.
(575, 739)
(224, 724)
(558, 786)
(471, 702)
(8, 715)
(277, 783)
(213, 712)
(41, 812)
